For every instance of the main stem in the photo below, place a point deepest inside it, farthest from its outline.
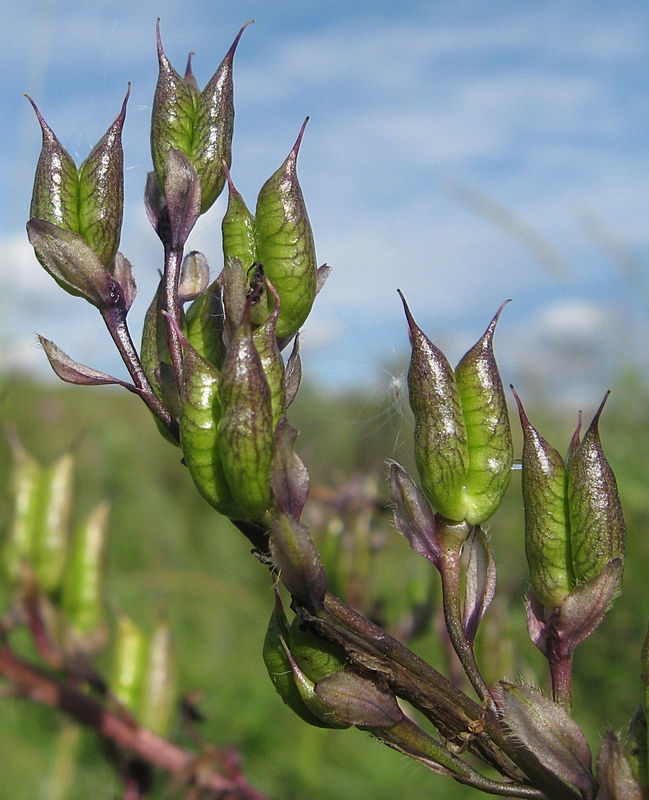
(43, 688)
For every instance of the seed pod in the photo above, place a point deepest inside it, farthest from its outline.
(159, 690)
(238, 228)
(489, 438)
(463, 446)
(25, 481)
(200, 412)
(194, 277)
(279, 666)
(39, 532)
(198, 124)
(205, 321)
(574, 526)
(52, 533)
(245, 427)
(83, 591)
(316, 657)
(128, 671)
(89, 200)
(597, 529)
(547, 545)
(285, 243)
(441, 447)
(265, 339)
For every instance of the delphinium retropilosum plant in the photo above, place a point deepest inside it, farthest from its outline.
(212, 371)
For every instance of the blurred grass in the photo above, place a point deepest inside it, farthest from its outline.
(170, 553)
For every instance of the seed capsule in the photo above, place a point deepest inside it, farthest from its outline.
(245, 427)
(597, 528)
(463, 447)
(199, 124)
(316, 657)
(205, 322)
(547, 545)
(574, 525)
(83, 593)
(285, 243)
(280, 669)
(89, 200)
(200, 413)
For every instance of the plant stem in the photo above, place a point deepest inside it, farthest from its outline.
(173, 261)
(408, 738)
(373, 650)
(85, 710)
(115, 321)
(450, 569)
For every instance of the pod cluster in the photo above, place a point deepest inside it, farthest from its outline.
(312, 677)
(45, 556)
(463, 445)
(573, 517)
(76, 217)
(143, 673)
(232, 391)
(209, 365)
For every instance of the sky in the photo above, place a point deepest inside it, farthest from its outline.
(465, 152)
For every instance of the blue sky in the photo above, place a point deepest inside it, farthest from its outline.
(464, 151)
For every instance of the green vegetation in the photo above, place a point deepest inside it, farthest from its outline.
(169, 553)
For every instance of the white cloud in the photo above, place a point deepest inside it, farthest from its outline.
(540, 106)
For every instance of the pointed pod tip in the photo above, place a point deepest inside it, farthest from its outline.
(521, 411)
(593, 427)
(188, 68)
(412, 325)
(292, 156)
(158, 39)
(45, 128)
(235, 43)
(232, 189)
(489, 333)
(122, 114)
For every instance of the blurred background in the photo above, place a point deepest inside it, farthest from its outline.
(463, 152)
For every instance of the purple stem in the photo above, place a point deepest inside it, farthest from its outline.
(115, 320)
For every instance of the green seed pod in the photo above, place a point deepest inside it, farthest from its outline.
(239, 242)
(489, 438)
(238, 228)
(89, 200)
(441, 446)
(25, 482)
(597, 529)
(52, 534)
(245, 427)
(205, 321)
(265, 339)
(198, 124)
(574, 525)
(39, 532)
(200, 412)
(280, 669)
(83, 592)
(127, 676)
(547, 544)
(316, 657)
(159, 690)
(285, 243)
(463, 445)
